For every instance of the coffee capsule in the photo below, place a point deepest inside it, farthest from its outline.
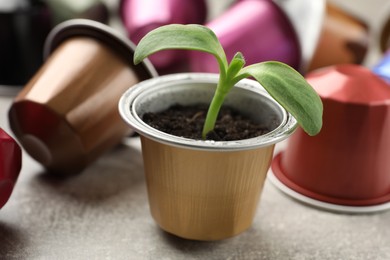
(346, 166)
(67, 115)
(260, 30)
(10, 165)
(87, 9)
(141, 16)
(382, 69)
(24, 26)
(343, 40)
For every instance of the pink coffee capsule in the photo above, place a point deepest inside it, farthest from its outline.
(257, 28)
(10, 165)
(141, 16)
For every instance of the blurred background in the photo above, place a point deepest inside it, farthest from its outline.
(327, 32)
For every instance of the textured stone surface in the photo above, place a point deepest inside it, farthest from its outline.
(103, 213)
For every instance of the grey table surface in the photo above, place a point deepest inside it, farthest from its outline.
(103, 213)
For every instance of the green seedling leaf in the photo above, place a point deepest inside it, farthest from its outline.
(179, 36)
(284, 84)
(236, 65)
(291, 90)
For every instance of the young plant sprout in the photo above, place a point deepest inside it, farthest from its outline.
(283, 83)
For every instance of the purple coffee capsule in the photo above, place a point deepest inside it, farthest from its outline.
(141, 16)
(257, 28)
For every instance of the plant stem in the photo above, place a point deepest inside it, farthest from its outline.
(215, 106)
(212, 113)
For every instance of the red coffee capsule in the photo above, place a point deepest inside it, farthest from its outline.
(346, 166)
(10, 165)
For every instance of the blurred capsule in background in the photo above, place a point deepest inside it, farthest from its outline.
(259, 29)
(385, 33)
(10, 165)
(382, 69)
(141, 16)
(24, 25)
(343, 40)
(69, 9)
(67, 115)
(307, 17)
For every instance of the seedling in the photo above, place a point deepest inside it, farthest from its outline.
(283, 83)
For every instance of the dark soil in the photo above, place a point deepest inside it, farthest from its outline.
(187, 121)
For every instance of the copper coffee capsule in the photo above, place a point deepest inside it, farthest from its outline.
(385, 32)
(66, 116)
(343, 40)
